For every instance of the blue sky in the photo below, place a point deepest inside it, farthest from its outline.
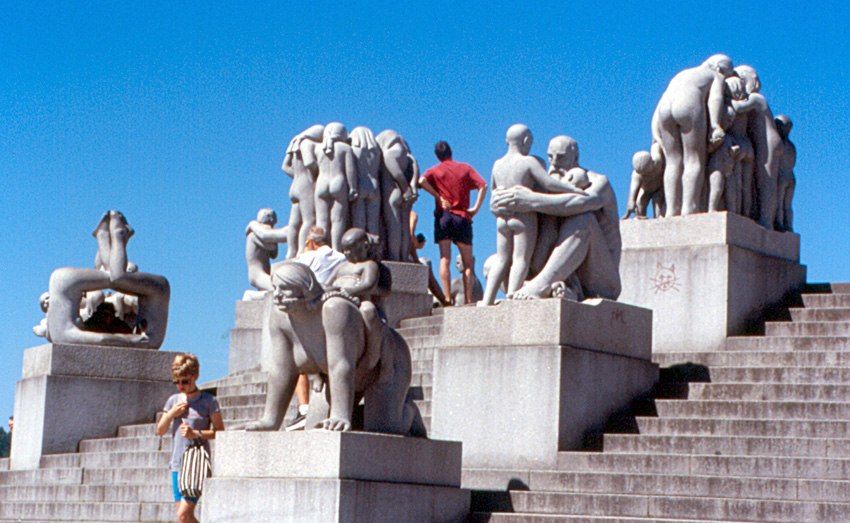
(179, 113)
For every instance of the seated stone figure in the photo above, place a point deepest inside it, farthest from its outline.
(316, 332)
(69, 285)
(458, 294)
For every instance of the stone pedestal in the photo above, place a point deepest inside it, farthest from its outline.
(409, 298)
(522, 380)
(333, 477)
(706, 276)
(72, 392)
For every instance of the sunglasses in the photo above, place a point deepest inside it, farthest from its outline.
(184, 381)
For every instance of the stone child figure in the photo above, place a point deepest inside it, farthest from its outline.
(399, 190)
(336, 184)
(313, 333)
(647, 183)
(517, 232)
(302, 166)
(458, 294)
(787, 180)
(261, 239)
(686, 120)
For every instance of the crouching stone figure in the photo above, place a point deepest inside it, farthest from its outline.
(318, 332)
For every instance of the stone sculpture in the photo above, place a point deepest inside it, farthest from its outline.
(314, 332)
(787, 181)
(586, 246)
(399, 179)
(302, 166)
(686, 120)
(261, 240)
(723, 194)
(458, 293)
(647, 183)
(69, 285)
(767, 144)
(336, 184)
(366, 209)
(517, 231)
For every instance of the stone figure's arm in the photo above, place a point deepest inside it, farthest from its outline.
(520, 199)
(550, 183)
(637, 181)
(368, 279)
(392, 162)
(351, 175)
(413, 193)
(340, 320)
(266, 234)
(755, 102)
(307, 148)
(716, 105)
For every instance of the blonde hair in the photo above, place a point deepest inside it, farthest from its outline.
(185, 365)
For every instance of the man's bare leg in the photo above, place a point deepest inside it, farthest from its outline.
(302, 390)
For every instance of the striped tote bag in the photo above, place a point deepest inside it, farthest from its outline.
(194, 469)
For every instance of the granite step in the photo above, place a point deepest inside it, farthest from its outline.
(741, 409)
(744, 427)
(728, 446)
(681, 507)
(807, 328)
(88, 493)
(757, 358)
(422, 321)
(788, 343)
(126, 476)
(125, 444)
(767, 392)
(503, 517)
(78, 512)
(721, 486)
(809, 314)
(53, 476)
(706, 465)
(820, 301)
(811, 375)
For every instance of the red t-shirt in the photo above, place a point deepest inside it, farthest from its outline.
(454, 181)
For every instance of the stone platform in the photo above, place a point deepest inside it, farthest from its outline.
(706, 276)
(520, 381)
(334, 476)
(71, 392)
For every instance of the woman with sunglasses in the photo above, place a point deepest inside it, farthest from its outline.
(192, 415)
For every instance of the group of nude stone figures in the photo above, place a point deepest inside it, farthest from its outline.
(716, 146)
(79, 310)
(342, 180)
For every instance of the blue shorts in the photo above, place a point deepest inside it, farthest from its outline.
(175, 482)
(450, 226)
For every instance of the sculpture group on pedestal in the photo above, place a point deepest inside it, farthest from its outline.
(341, 181)
(80, 312)
(558, 232)
(716, 147)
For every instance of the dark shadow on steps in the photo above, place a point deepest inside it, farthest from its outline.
(778, 312)
(495, 500)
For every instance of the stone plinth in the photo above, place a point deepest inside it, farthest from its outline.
(334, 476)
(706, 276)
(522, 380)
(72, 392)
(409, 298)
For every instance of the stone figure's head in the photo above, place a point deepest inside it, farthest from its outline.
(720, 63)
(783, 125)
(459, 263)
(750, 78)
(519, 136)
(334, 132)
(295, 285)
(314, 134)
(267, 217)
(355, 245)
(577, 177)
(642, 162)
(132, 267)
(562, 153)
(443, 151)
(735, 88)
(44, 301)
(362, 138)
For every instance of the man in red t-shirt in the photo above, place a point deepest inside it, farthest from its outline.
(450, 183)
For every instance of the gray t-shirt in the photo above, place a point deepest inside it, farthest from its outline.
(196, 416)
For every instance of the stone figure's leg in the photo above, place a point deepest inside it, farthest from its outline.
(292, 243)
(599, 272)
(323, 213)
(307, 206)
(693, 162)
(392, 220)
(499, 269)
(374, 335)
(672, 146)
(283, 375)
(547, 234)
(387, 408)
(339, 222)
(788, 215)
(404, 235)
(119, 233)
(345, 342)
(373, 215)
(767, 173)
(101, 234)
(716, 182)
(358, 213)
(524, 239)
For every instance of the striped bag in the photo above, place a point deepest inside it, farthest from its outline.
(194, 469)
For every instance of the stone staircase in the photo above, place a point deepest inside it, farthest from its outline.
(758, 432)
(125, 478)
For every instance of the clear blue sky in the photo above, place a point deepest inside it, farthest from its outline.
(178, 114)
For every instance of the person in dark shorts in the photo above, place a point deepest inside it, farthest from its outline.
(450, 183)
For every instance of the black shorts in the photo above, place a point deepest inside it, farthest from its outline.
(450, 226)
